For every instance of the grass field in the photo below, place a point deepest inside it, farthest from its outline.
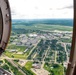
(28, 66)
(14, 55)
(19, 48)
(44, 27)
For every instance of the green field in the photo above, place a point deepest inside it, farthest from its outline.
(44, 27)
(28, 66)
(14, 54)
(19, 48)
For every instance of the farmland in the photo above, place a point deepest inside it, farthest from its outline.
(44, 27)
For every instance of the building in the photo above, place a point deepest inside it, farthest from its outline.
(36, 66)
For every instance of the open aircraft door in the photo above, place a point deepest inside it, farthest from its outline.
(5, 24)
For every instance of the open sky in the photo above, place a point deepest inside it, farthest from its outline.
(41, 9)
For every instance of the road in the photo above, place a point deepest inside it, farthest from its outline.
(43, 62)
(12, 62)
(33, 48)
(15, 65)
(66, 52)
(55, 56)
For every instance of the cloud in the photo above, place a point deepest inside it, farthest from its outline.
(50, 8)
(13, 12)
(41, 8)
(67, 7)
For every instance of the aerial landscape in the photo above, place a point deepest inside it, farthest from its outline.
(38, 47)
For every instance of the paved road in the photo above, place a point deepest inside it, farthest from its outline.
(43, 62)
(55, 56)
(66, 52)
(12, 62)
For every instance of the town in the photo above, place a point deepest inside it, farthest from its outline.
(36, 51)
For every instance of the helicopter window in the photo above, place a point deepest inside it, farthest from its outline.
(44, 31)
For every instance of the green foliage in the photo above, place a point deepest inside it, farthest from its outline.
(1, 61)
(68, 47)
(53, 44)
(59, 47)
(16, 60)
(14, 69)
(28, 72)
(54, 69)
(57, 69)
(21, 48)
(28, 67)
(40, 50)
(66, 40)
(42, 27)
(5, 67)
(62, 57)
(14, 55)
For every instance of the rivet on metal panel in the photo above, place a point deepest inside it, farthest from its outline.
(72, 64)
(7, 18)
(7, 15)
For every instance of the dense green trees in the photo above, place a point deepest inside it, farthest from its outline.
(59, 47)
(61, 57)
(53, 44)
(40, 50)
(54, 69)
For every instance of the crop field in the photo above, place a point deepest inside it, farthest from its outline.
(44, 27)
